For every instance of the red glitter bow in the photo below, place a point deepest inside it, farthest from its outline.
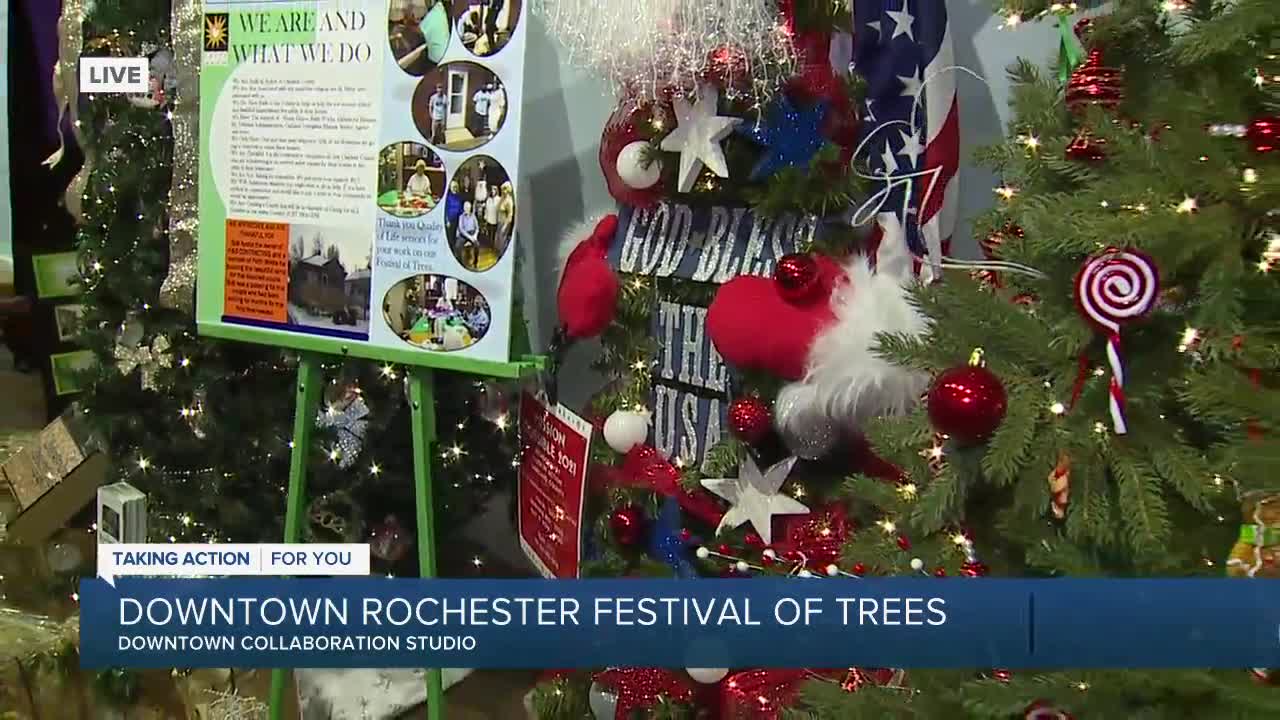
(762, 694)
(641, 688)
(644, 468)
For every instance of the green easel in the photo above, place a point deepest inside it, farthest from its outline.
(423, 419)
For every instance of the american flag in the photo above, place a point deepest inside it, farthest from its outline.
(903, 50)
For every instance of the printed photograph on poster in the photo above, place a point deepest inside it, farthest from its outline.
(69, 319)
(410, 179)
(162, 83)
(419, 33)
(555, 445)
(435, 312)
(459, 106)
(329, 276)
(57, 275)
(485, 26)
(480, 213)
(69, 370)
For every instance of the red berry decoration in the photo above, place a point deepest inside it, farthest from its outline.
(627, 524)
(750, 419)
(859, 569)
(1263, 134)
(974, 568)
(796, 277)
(968, 403)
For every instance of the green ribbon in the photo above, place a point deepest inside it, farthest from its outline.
(1259, 535)
(1070, 51)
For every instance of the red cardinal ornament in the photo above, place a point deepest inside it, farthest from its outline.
(587, 299)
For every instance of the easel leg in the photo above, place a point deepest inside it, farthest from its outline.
(309, 386)
(422, 407)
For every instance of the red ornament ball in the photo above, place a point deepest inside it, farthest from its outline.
(859, 569)
(796, 277)
(974, 568)
(1263, 134)
(968, 403)
(939, 572)
(1086, 148)
(904, 543)
(750, 419)
(1094, 83)
(627, 524)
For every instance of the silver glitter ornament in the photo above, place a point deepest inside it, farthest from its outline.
(806, 431)
(604, 704)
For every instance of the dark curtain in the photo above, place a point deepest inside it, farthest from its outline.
(41, 223)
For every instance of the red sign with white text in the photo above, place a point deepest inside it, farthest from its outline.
(553, 478)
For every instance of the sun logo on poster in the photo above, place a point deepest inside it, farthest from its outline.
(217, 37)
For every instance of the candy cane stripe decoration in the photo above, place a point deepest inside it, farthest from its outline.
(1112, 289)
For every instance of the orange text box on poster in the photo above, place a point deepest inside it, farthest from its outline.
(257, 270)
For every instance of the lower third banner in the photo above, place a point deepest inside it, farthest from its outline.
(779, 623)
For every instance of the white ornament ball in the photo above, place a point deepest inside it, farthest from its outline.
(703, 553)
(917, 564)
(769, 553)
(742, 566)
(805, 574)
(707, 676)
(832, 570)
(626, 429)
(604, 704)
(632, 169)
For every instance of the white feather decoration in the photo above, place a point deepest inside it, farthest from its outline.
(846, 381)
(574, 236)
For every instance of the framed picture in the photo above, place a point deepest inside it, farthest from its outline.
(57, 275)
(68, 319)
(67, 370)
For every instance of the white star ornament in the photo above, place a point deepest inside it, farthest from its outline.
(697, 136)
(753, 497)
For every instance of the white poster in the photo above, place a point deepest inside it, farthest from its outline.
(358, 174)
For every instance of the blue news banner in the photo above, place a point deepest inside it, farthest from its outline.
(910, 623)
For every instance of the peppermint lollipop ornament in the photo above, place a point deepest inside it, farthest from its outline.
(1112, 289)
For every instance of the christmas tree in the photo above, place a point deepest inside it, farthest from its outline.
(204, 428)
(1095, 398)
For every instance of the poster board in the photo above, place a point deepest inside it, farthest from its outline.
(552, 489)
(358, 170)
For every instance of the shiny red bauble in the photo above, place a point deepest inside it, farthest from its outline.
(1263, 134)
(797, 277)
(1094, 83)
(967, 403)
(992, 243)
(750, 419)
(1086, 148)
(627, 524)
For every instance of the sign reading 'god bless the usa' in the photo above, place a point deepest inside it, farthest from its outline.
(705, 244)
(709, 244)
